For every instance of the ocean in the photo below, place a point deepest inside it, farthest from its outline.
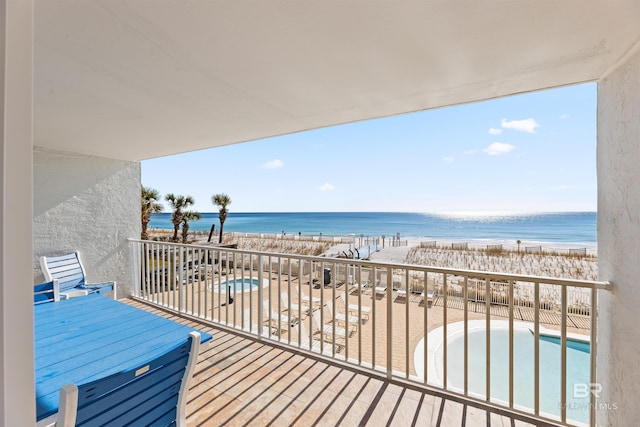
(563, 229)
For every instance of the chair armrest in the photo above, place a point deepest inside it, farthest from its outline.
(72, 293)
(101, 287)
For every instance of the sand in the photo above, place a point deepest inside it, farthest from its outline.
(549, 264)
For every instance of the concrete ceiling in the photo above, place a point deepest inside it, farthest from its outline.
(136, 79)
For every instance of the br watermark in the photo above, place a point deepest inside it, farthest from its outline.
(585, 391)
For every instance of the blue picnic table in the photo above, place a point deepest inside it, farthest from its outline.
(83, 339)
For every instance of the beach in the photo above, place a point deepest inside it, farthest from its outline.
(550, 262)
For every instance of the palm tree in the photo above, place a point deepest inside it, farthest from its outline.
(222, 201)
(150, 205)
(178, 204)
(186, 217)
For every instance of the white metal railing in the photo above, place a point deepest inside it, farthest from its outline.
(382, 316)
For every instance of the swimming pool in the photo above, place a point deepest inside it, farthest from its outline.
(240, 285)
(578, 366)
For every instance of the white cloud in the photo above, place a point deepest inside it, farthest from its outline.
(494, 131)
(468, 152)
(564, 116)
(326, 187)
(273, 164)
(526, 125)
(498, 148)
(448, 159)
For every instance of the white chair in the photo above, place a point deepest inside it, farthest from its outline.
(380, 290)
(327, 331)
(429, 296)
(402, 293)
(355, 286)
(46, 292)
(355, 309)
(278, 320)
(342, 317)
(294, 308)
(71, 276)
(316, 345)
(309, 300)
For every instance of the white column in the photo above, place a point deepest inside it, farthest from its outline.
(618, 160)
(17, 396)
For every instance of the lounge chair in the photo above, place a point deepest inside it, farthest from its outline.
(46, 292)
(153, 393)
(327, 330)
(429, 296)
(70, 273)
(402, 293)
(293, 308)
(316, 345)
(355, 287)
(356, 309)
(341, 317)
(278, 320)
(380, 290)
(310, 300)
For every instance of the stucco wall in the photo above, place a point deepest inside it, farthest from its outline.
(618, 359)
(87, 204)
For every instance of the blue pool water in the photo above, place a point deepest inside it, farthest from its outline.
(577, 369)
(239, 285)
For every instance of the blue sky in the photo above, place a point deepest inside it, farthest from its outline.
(527, 153)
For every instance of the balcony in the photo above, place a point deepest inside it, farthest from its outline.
(302, 339)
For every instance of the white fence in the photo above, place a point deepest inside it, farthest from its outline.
(538, 249)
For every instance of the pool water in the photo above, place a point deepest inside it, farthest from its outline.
(578, 368)
(239, 285)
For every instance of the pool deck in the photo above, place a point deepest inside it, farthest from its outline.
(367, 340)
(243, 381)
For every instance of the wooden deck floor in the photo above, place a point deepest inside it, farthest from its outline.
(241, 381)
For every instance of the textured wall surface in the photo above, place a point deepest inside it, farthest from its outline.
(88, 204)
(618, 360)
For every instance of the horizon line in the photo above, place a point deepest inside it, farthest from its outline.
(477, 213)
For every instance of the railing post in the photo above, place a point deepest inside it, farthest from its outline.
(137, 267)
(407, 288)
(563, 354)
(536, 348)
(487, 302)
(511, 286)
(389, 322)
(466, 334)
(445, 320)
(260, 296)
(592, 362)
(180, 278)
(425, 334)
